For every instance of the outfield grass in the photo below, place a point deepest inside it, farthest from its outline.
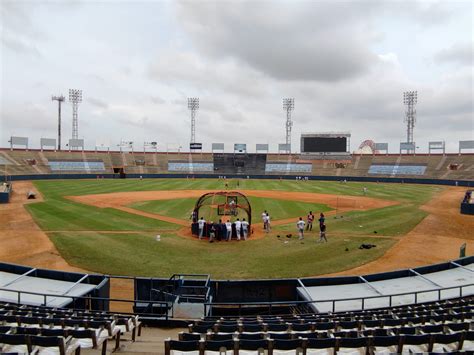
(78, 230)
(389, 221)
(278, 209)
(65, 215)
(141, 254)
(416, 194)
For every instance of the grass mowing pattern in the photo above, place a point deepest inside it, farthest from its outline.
(65, 215)
(278, 209)
(389, 221)
(416, 194)
(138, 253)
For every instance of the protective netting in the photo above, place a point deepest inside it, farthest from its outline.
(217, 205)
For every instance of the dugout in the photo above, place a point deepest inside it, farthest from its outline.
(6, 189)
(221, 205)
(467, 204)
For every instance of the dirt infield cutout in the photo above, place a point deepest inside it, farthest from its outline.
(120, 201)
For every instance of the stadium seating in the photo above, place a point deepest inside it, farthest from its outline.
(30, 329)
(19, 162)
(441, 326)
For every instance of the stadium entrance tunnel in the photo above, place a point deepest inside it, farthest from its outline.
(216, 208)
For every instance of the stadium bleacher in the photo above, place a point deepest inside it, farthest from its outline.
(45, 330)
(441, 326)
(18, 162)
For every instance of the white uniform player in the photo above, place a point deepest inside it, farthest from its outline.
(267, 222)
(245, 228)
(228, 227)
(201, 224)
(300, 226)
(238, 225)
(264, 220)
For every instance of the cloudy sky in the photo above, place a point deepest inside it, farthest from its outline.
(346, 63)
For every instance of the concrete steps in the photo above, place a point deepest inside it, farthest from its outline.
(151, 341)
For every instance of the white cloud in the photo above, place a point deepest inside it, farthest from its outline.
(346, 63)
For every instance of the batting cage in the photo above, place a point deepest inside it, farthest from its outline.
(221, 206)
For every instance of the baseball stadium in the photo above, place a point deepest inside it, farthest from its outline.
(311, 246)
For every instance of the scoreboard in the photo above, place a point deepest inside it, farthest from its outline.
(325, 143)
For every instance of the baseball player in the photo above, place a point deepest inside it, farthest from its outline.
(238, 225)
(264, 219)
(322, 233)
(300, 226)
(245, 228)
(201, 224)
(310, 219)
(267, 221)
(228, 227)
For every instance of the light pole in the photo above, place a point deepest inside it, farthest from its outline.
(410, 98)
(75, 98)
(60, 99)
(193, 106)
(288, 106)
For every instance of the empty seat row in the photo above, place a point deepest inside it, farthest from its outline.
(378, 344)
(376, 312)
(426, 329)
(325, 326)
(20, 315)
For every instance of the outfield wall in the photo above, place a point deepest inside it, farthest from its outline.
(467, 183)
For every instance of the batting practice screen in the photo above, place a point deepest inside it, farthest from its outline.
(324, 145)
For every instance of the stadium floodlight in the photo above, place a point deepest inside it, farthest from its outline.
(410, 99)
(288, 106)
(193, 106)
(75, 98)
(60, 99)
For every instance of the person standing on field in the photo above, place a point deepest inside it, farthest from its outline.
(310, 218)
(228, 227)
(201, 224)
(300, 227)
(264, 219)
(245, 228)
(212, 232)
(267, 221)
(238, 225)
(321, 219)
(322, 233)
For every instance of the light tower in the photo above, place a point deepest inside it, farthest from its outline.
(193, 105)
(288, 105)
(75, 97)
(60, 99)
(410, 99)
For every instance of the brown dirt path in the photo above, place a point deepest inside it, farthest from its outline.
(436, 239)
(342, 203)
(21, 240)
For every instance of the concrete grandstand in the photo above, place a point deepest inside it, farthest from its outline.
(455, 167)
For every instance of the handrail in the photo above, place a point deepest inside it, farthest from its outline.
(240, 304)
(46, 295)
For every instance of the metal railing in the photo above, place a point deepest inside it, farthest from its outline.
(88, 301)
(270, 305)
(208, 306)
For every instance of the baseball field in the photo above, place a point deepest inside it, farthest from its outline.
(110, 226)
